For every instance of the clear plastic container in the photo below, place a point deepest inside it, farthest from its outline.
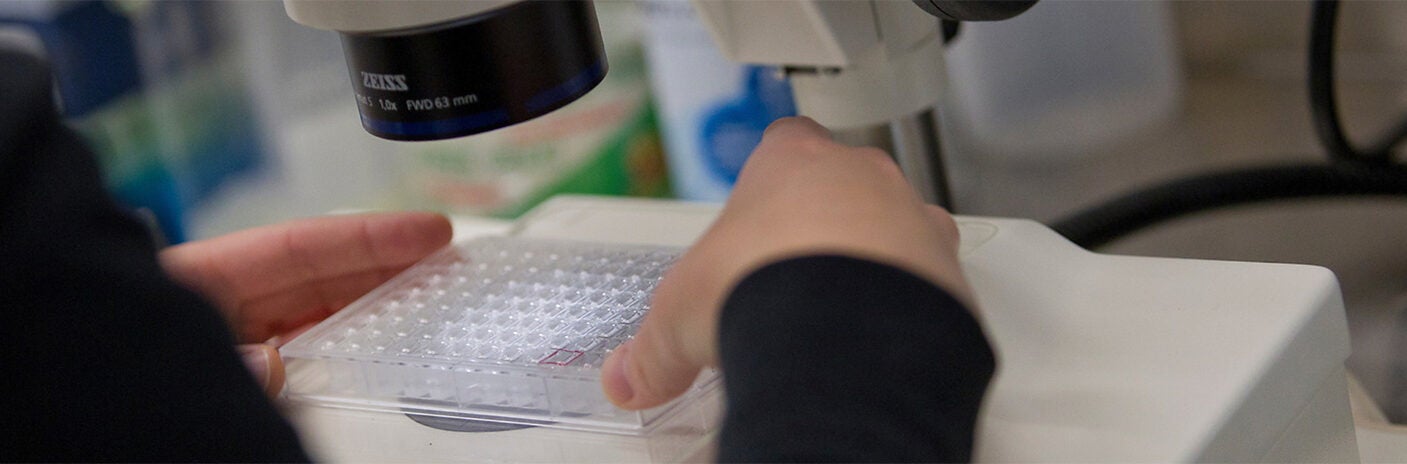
(500, 329)
(1062, 80)
(712, 111)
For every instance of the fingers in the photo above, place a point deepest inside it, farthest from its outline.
(278, 314)
(266, 260)
(795, 128)
(646, 372)
(790, 144)
(673, 343)
(786, 144)
(265, 364)
(790, 139)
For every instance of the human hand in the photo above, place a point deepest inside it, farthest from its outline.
(275, 280)
(800, 193)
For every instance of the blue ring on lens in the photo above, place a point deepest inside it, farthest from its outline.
(498, 117)
(569, 89)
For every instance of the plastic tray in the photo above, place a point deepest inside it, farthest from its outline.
(502, 329)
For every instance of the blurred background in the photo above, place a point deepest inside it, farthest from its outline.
(214, 116)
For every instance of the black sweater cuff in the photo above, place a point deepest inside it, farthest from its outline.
(830, 358)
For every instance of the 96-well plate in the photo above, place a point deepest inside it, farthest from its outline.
(505, 329)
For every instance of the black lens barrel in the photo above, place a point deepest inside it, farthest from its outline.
(476, 74)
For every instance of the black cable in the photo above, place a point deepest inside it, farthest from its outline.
(1369, 173)
(1106, 222)
(1323, 104)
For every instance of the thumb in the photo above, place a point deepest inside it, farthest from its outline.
(265, 364)
(648, 370)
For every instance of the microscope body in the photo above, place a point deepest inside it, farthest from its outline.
(871, 71)
(851, 64)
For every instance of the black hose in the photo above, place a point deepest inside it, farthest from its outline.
(1354, 173)
(1323, 104)
(1109, 221)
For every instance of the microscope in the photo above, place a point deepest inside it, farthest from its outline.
(1103, 358)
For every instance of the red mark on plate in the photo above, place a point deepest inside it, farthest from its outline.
(561, 357)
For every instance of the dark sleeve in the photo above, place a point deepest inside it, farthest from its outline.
(105, 358)
(832, 358)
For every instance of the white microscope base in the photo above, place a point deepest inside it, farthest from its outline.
(1102, 358)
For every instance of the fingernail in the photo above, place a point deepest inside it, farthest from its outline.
(256, 359)
(618, 387)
